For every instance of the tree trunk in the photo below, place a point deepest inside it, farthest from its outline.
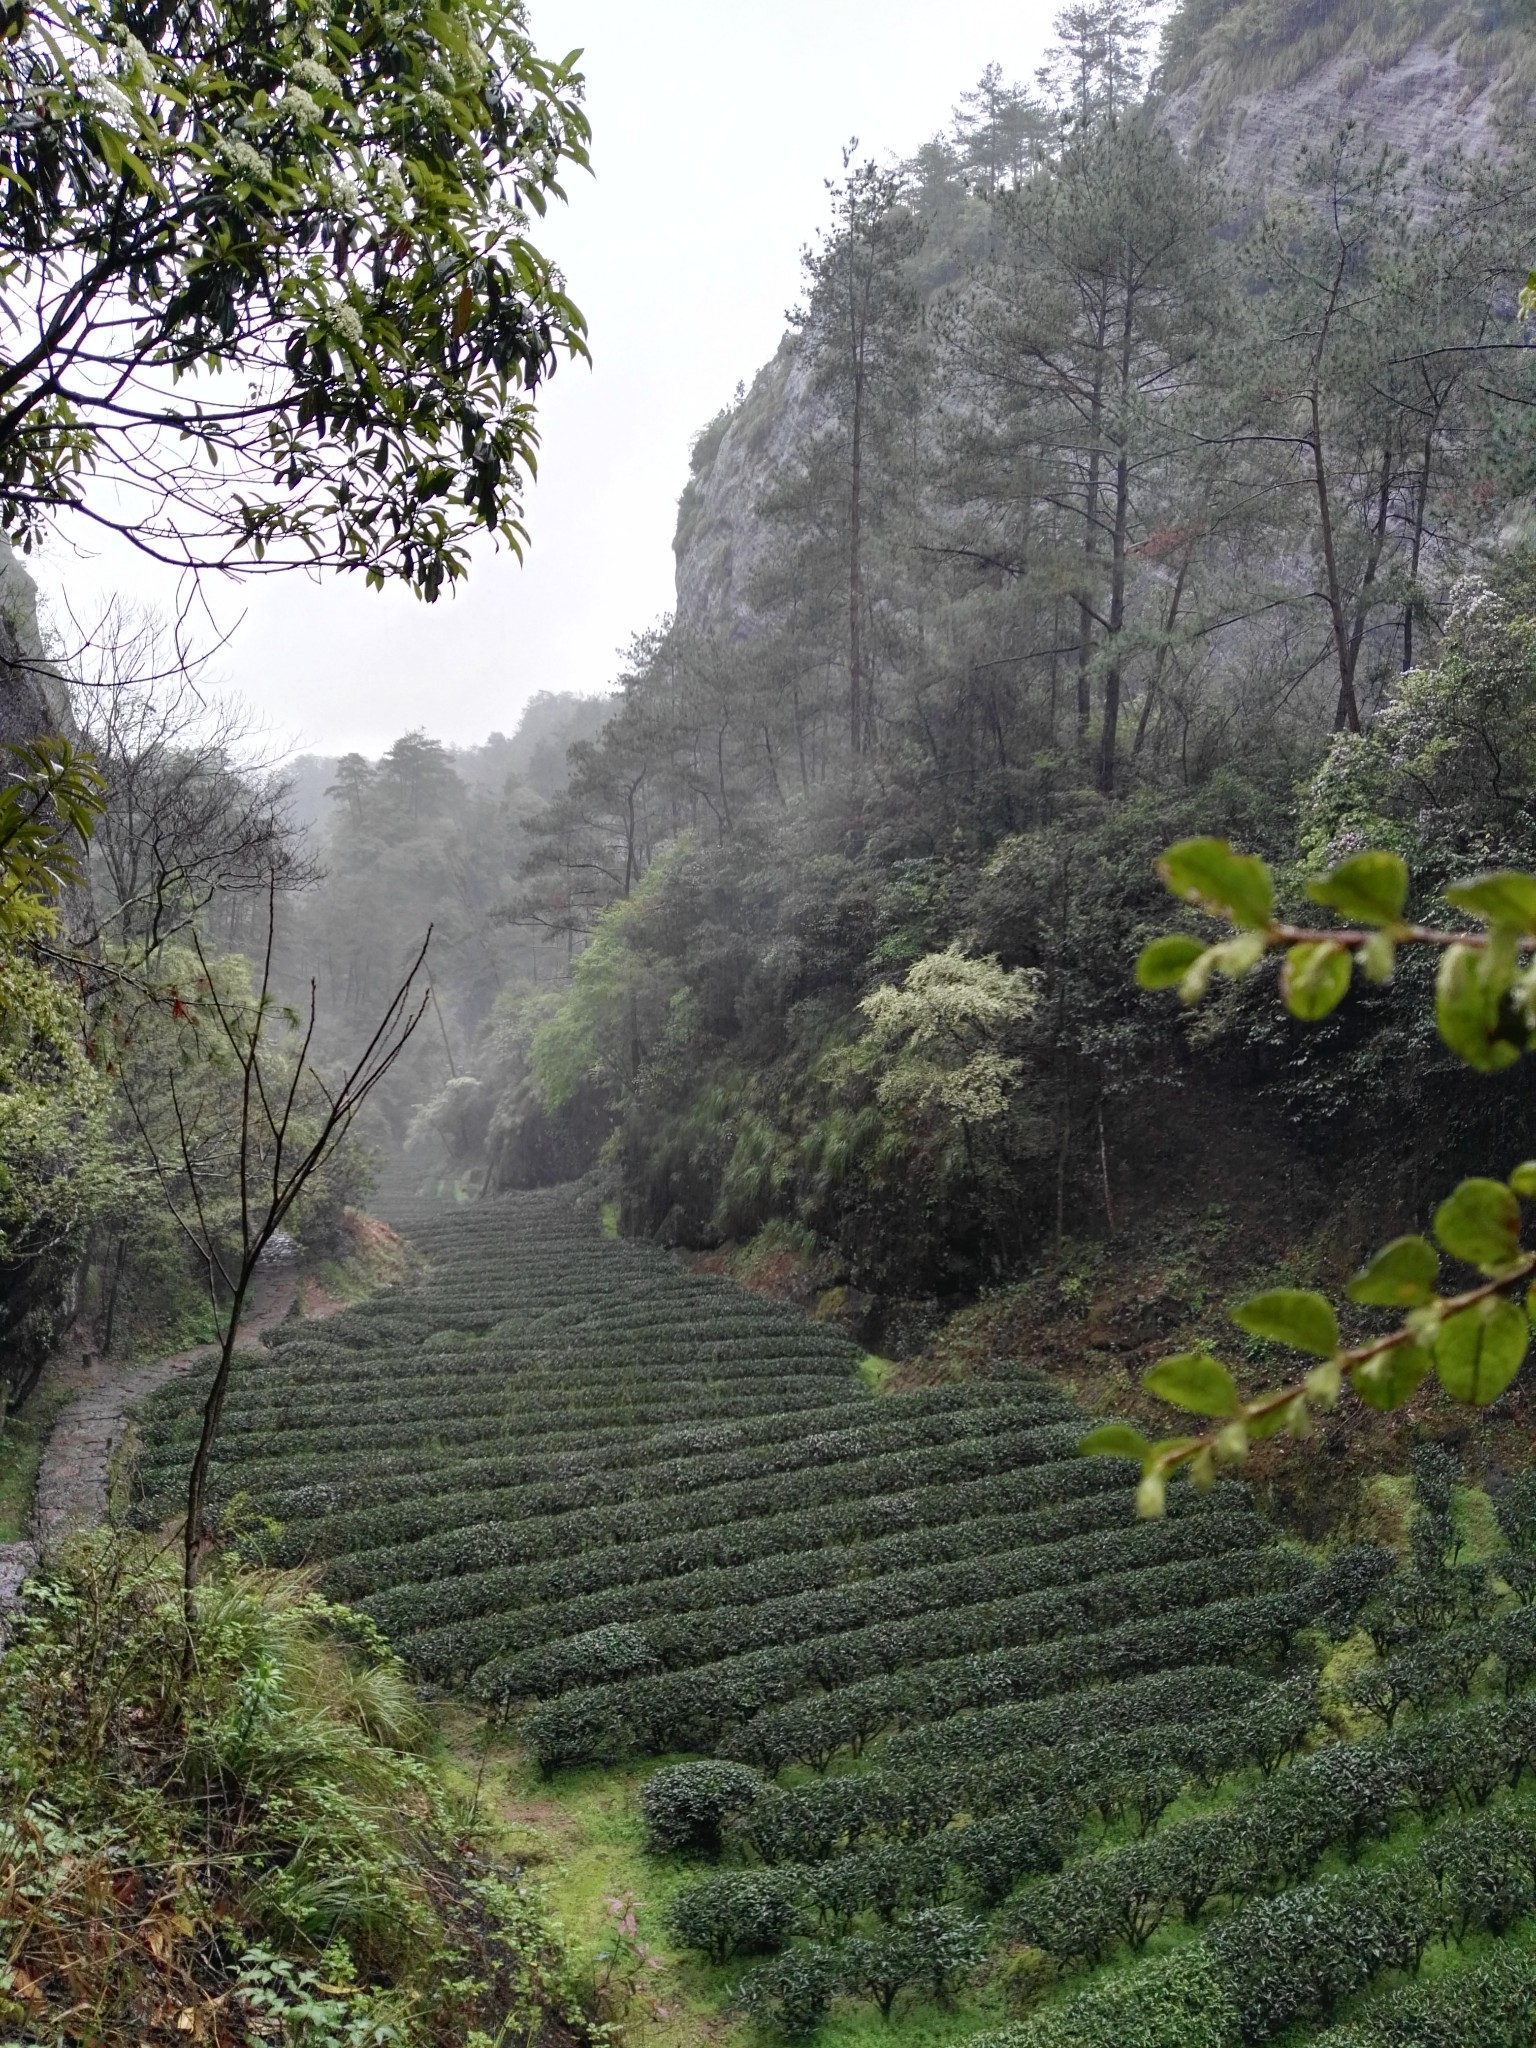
(1090, 542)
(1112, 679)
(1158, 666)
(197, 1479)
(856, 573)
(1347, 712)
(109, 1321)
(1420, 507)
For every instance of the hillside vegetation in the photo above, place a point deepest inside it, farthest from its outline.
(965, 1726)
(1121, 513)
(251, 1849)
(1058, 893)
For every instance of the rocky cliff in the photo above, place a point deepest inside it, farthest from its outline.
(1245, 84)
(34, 698)
(720, 544)
(1248, 83)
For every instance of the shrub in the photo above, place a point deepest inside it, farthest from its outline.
(737, 1912)
(1489, 2003)
(933, 1950)
(687, 1806)
(1179, 2001)
(189, 1853)
(794, 1992)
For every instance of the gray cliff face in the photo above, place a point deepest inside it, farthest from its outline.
(721, 542)
(1425, 104)
(34, 697)
(1426, 101)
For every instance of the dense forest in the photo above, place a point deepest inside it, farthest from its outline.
(578, 1461)
(1090, 502)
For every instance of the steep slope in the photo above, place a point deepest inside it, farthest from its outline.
(1250, 82)
(1246, 84)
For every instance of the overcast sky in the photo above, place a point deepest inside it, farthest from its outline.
(716, 123)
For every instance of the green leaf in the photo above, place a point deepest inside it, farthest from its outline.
(1209, 873)
(1239, 956)
(1388, 1381)
(1294, 1316)
(1480, 1223)
(1479, 1352)
(111, 145)
(1523, 1179)
(1196, 1381)
(1370, 888)
(1504, 896)
(1378, 958)
(1166, 961)
(1403, 1274)
(1262, 1426)
(1115, 1440)
(1468, 1013)
(1314, 979)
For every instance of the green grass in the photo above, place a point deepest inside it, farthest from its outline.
(21, 1453)
(581, 1835)
(609, 1216)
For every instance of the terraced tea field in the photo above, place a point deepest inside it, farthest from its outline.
(970, 1739)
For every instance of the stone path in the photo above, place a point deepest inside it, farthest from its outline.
(72, 1480)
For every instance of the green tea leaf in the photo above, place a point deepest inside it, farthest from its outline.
(1115, 1440)
(1378, 958)
(1523, 1179)
(1239, 956)
(1369, 888)
(1209, 873)
(1314, 979)
(1294, 1316)
(1262, 1426)
(1388, 1381)
(1468, 1013)
(1479, 1352)
(1165, 962)
(1504, 896)
(1403, 1274)
(1152, 1497)
(1480, 1222)
(1196, 1381)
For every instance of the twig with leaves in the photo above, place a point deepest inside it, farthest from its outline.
(1475, 1340)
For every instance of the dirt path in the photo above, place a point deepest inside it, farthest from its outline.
(72, 1482)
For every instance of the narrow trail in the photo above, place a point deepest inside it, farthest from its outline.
(72, 1480)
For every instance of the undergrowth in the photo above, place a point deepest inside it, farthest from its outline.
(261, 1854)
(22, 1437)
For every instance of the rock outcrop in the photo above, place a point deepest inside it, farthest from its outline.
(1423, 104)
(721, 543)
(34, 697)
(1439, 81)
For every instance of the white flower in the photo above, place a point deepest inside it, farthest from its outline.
(240, 156)
(303, 106)
(140, 68)
(311, 72)
(347, 322)
(112, 101)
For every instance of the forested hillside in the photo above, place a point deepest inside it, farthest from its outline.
(1091, 501)
(590, 1324)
